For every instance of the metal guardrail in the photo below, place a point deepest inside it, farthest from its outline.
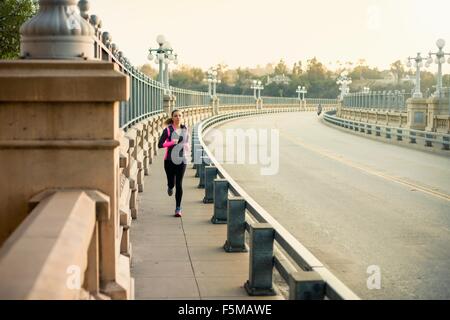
(382, 100)
(296, 101)
(271, 245)
(429, 139)
(146, 94)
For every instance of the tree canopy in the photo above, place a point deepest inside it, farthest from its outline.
(13, 13)
(319, 81)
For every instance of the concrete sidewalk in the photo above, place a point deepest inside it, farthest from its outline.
(183, 258)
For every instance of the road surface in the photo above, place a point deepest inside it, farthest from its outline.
(355, 203)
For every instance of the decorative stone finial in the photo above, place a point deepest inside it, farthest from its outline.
(57, 32)
(106, 39)
(84, 8)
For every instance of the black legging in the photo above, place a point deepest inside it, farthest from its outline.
(175, 174)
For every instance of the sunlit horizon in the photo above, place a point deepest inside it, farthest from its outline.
(251, 33)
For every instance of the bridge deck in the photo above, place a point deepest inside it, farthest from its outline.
(183, 258)
(356, 203)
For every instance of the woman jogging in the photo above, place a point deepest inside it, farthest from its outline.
(175, 139)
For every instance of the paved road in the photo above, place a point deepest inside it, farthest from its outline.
(355, 203)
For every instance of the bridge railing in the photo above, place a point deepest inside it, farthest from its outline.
(379, 100)
(296, 101)
(271, 245)
(146, 98)
(323, 102)
(410, 136)
(65, 225)
(147, 95)
(234, 99)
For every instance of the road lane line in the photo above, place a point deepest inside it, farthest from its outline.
(352, 164)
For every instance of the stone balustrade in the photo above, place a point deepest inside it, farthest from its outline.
(56, 252)
(431, 115)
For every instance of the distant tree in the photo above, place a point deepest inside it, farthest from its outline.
(149, 71)
(427, 81)
(13, 13)
(316, 70)
(398, 70)
(365, 72)
(446, 80)
(361, 64)
(281, 68)
(225, 76)
(297, 69)
(186, 76)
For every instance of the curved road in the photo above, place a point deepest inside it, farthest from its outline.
(355, 203)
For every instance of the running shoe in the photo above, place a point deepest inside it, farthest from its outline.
(170, 192)
(178, 212)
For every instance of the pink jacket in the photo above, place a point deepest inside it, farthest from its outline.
(168, 144)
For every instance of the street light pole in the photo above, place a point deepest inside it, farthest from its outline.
(257, 88)
(163, 56)
(440, 60)
(301, 90)
(260, 88)
(212, 82)
(418, 64)
(344, 81)
(254, 87)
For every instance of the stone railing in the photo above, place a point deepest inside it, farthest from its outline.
(375, 116)
(441, 123)
(437, 142)
(429, 115)
(56, 252)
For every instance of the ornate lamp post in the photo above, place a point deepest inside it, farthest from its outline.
(302, 90)
(212, 82)
(212, 85)
(163, 56)
(418, 63)
(344, 81)
(439, 60)
(257, 88)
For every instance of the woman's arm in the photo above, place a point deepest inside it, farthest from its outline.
(163, 143)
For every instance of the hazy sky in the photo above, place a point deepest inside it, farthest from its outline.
(250, 32)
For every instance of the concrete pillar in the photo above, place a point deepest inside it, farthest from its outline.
(261, 260)
(306, 285)
(339, 109)
(220, 201)
(436, 107)
(173, 102)
(214, 104)
(201, 171)
(167, 104)
(197, 158)
(417, 113)
(259, 104)
(59, 129)
(235, 225)
(210, 175)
